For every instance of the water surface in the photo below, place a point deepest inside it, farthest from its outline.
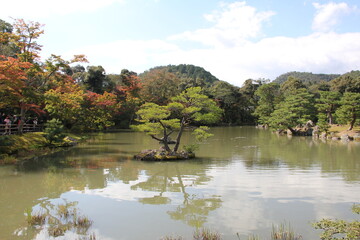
(244, 181)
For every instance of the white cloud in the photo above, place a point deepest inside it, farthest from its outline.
(271, 57)
(136, 55)
(230, 51)
(267, 58)
(328, 15)
(235, 23)
(44, 8)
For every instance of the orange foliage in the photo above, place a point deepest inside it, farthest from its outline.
(24, 37)
(104, 100)
(13, 78)
(131, 87)
(12, 75)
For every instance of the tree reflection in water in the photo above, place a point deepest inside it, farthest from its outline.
(167, 178)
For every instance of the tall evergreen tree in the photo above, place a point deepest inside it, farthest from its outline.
(327, 104)
(296, 109)
(349, 111)
(269, 96)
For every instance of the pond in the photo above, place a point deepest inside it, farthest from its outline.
(243, 181)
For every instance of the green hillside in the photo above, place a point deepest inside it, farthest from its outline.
(306, 77)
(189, 72)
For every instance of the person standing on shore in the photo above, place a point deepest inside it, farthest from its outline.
(7, 122)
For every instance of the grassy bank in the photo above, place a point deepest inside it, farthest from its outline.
(21, 147)
(339, 130)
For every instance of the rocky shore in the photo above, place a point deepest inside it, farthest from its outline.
(310, 129)
(162, 155)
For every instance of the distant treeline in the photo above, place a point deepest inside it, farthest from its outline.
(306, 77)
(295, 101)
(89, 98)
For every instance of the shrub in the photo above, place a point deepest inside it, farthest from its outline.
(54, 131)
(191, 148)
(5, 142)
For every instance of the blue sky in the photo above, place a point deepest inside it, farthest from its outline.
(234, 40)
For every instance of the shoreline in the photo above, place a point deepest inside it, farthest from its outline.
(17, 148)
(335, 133)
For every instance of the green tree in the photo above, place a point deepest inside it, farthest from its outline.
(249, 99)
(321, 86)
(64, 103)
(269, 96)
(291, 85)
(96, 80)
(296, 109)
(5, 27)
(77, 72)
(7, 48)
(349, 111)
(188, 107)
(248, 90)
(53, 131)
(192, 106)
(323, 123)
(155, 121)
(229, 99)
(327, 104)
(349, 82)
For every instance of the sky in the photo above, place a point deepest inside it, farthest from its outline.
(234, 40)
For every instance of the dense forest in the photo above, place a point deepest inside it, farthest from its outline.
(87, 98)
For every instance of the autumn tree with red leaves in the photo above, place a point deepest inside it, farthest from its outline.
(14, 91)
(24, 79)
(99, 110)
(128, 94)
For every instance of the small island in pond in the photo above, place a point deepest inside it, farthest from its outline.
(162, 155)
(159, 122)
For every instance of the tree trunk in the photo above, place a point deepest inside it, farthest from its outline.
(165, 138)
(292, 130)
(330, 117)
(166, 145)
(22, 119)
(352, 122)
(182, 125)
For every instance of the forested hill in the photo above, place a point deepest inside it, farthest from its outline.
(348, 82)
(306, 77)
(190, 72)
(352, 74)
